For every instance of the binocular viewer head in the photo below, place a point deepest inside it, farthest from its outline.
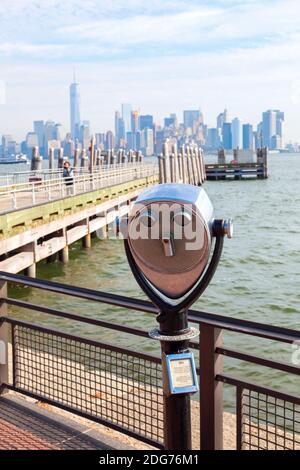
(169, 240)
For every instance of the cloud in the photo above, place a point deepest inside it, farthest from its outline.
(107, 29)
(162, 55)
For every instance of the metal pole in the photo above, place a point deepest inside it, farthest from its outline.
(211, 391)
(4, 338)
(177, 408)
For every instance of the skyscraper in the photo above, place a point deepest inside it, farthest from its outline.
(191, 118)
(268, 127)
(134, 121)
(126, 116)
(147, 142)
(248, 137)
(227, 136)
(213, 138)
(75, 110)
(85, 135)
(236, 132)
(272, 129)
(221, 119)
(119, 129)
(146, 122)
(39, 129)
(280, 128)
(109, 141)
(171, 121)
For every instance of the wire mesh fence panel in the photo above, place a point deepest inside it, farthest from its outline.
(268, 422)
(116, 386)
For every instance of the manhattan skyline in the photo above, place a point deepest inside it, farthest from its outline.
(240, 55)
(140, 132)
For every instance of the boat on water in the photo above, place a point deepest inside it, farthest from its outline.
(14, 159)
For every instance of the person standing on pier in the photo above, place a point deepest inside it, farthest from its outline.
(68, 176)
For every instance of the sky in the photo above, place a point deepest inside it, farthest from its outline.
(163, 56)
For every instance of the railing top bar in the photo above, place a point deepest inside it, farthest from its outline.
(201, 318)
(244, 384)
(91, 321)
(47, 171)
(76, 317)
(80, 292)
(53, 331)
(262, 361)
(251, 328)
(79, 177)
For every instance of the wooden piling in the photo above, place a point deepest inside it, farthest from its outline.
(36, 161)
(60, 161)
(183, 164)
(189, 166)
(98, 159)
(176, 169)
(166, 162)
(83, 159)
(113, 157)
(172, 168)
(197, 166)
(202, 166)
(265, 162)
(180, 165)
(161, 169)
(87, 241)
(194, 172)
(221, 157)
(63, 255)
(76, 158)
(92, 155)
(31, 271)
(51, 158)
(119, 156)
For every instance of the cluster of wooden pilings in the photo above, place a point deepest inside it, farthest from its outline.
(90, 160)
(186, 166)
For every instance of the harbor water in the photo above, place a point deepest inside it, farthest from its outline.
(258, 278)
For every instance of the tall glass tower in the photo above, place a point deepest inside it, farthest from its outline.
(126, 116)
(75, 109)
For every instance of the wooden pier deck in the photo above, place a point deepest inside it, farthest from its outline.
(38, 222)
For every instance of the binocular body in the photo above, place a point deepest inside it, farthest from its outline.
(170, 230)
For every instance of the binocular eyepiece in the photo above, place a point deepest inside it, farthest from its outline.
(169, 242)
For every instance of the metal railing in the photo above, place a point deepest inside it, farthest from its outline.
(23, 177)
(28, 194)
(121, 387)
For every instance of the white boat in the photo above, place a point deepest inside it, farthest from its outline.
(14, 159)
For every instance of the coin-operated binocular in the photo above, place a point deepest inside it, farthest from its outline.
(173, 246)
(169, 241)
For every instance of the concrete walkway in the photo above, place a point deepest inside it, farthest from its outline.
(25, 427)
